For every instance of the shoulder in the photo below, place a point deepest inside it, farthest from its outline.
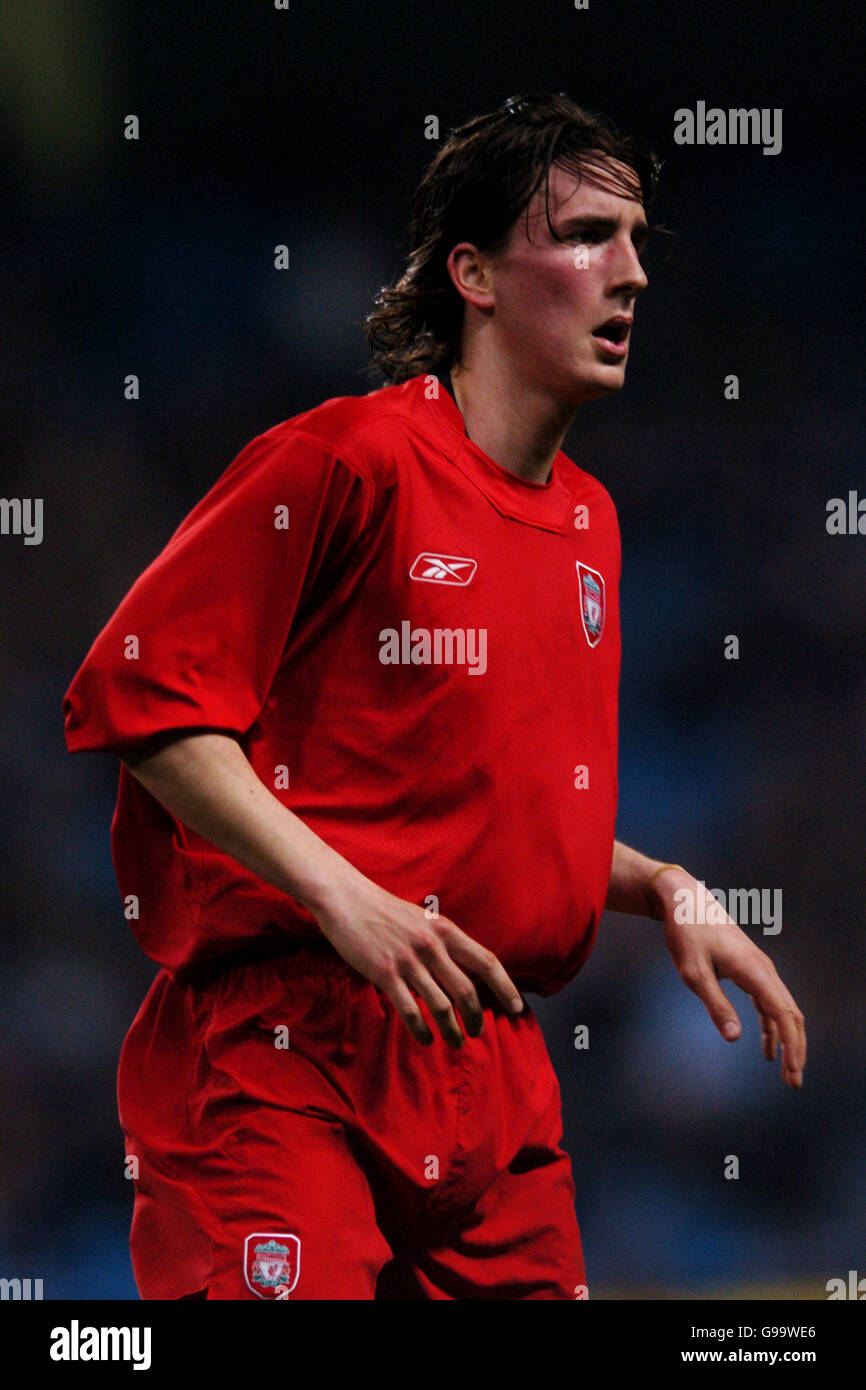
(364, 432)
(588, 491)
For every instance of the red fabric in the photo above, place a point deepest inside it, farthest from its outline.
(397, 1171)
(433, 779)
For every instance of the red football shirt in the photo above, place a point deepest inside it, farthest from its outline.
(419, 654)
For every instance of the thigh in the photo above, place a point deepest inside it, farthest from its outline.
(519, 1240)
(246, 1183)
(287, 1215)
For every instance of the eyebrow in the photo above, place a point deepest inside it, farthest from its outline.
(639, 232)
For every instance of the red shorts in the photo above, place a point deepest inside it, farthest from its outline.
(293, 1140)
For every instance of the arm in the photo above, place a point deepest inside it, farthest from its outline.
(706, 951)
(205, 781)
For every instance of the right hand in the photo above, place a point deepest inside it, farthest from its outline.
(396, 946)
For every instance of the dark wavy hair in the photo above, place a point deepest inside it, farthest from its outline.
(475, 188)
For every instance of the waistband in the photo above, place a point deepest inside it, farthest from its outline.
(306, 956)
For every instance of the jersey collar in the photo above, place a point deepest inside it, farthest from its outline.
(548, 505)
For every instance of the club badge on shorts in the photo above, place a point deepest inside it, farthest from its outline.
(591, 603)
(272, 1263)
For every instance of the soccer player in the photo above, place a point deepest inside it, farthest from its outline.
(365, 702)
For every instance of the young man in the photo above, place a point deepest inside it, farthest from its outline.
(365, 702)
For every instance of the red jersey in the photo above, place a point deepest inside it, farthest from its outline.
(418, 652)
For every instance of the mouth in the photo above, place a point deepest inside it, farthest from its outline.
(613, 334)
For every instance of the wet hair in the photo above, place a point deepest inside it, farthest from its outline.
(480, 181)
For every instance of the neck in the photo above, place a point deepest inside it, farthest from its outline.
(515, 423)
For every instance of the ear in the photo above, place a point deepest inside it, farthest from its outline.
(471, 274)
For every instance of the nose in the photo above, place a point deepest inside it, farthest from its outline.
(629, 275)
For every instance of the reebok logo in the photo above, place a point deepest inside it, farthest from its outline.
(442, 569)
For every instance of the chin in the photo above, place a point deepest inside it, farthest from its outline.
(594, 387)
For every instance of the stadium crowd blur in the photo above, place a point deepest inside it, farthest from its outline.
(156, 257)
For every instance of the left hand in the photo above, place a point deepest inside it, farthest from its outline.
(705, 952)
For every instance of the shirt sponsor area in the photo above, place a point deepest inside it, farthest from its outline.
(438, 646)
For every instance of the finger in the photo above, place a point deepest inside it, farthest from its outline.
(801, 1030)
(778, 1004)
(793, 1048)
(485, 964)
(769, 1035)
(438, 1003)
(716, 1002)
(792, 1041)
(461, 990)
(775, 1002)
(769, 1039)
(406, 1005)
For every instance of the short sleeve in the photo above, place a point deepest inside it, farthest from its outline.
(198, 638)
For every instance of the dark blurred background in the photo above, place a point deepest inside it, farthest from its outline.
(306, 127)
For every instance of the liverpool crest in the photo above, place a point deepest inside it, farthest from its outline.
(591, 603)
(272, 1264)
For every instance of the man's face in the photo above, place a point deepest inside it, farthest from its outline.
(553, 301)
